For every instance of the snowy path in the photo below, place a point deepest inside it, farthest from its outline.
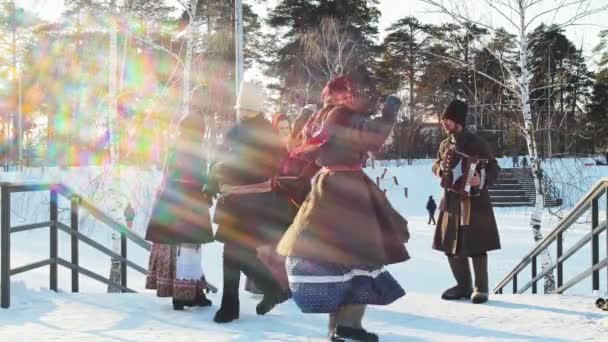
(47, 316)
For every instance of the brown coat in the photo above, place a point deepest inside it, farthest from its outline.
(481, 235)
(181, 211)
(252, 155)
(346, 219)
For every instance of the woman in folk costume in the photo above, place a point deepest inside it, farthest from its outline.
(180, 221)
(247, 212)
(346, 231)
(466, 227)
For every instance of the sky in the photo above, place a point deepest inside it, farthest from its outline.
(582, 35)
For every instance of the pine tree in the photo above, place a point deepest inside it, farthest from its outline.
(299, 19)
(597, 118)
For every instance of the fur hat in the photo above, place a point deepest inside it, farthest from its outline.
(251, 98)
(457, 112)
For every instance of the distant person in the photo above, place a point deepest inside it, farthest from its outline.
(524, 162)
(606, 156)
(129, 215)
(281, 124)
(515, 161)
(431, 206)
(296, 132)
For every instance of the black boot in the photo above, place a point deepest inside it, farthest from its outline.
(179, 305)
(481, 292)
(348, 333)
(335, 338)
(462, 273)
(228, 312)
(202, 299)
(270, 301)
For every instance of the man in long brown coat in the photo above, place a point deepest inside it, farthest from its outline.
(466, 226)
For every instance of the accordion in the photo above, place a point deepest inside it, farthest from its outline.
(459, 169)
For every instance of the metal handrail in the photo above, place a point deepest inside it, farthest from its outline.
(589, 201)
(76, 201)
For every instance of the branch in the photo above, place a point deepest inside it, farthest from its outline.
(574, 18)
(506, 17)
(160, 47)
(459, 18)
(456, 60)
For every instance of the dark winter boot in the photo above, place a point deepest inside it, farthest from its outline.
(229, 311)
(480, 266)
(462, 273)
(270, 301)
(202, 299)
(178, 305)
(348, 333)
(333, 337)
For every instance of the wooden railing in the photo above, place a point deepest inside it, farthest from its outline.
(590, 201)
(76, 204)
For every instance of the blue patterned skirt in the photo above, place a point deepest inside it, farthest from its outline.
(322, 287)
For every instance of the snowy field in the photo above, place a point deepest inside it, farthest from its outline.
(37, 314)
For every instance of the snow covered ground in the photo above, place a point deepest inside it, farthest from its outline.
(45, 316)
(37, 314)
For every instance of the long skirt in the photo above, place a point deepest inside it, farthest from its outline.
(321, 287)
(176, 271)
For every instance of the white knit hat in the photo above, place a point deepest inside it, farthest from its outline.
(251, 97)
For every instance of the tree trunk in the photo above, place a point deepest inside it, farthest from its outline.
(535, 163)
(113, 85)
(188, 60)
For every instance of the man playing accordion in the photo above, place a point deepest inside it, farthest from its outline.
(466, 226)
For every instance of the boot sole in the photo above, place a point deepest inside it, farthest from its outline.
(456, 298)
(479, 298)
(225, 321)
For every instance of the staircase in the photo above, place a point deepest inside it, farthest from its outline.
(515, 188)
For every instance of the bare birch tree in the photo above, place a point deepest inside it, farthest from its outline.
(328, 50)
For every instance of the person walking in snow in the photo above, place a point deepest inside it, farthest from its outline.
(345, 231)
(431, 206)
(247, 213)
(180, 221)
(515, 161)
(129, 214)
(466, 227)
(524, 162)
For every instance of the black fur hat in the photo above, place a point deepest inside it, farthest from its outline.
(457, 112)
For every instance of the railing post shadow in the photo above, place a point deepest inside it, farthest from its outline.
(74, 242)
(53, 241)
(5, 248)
(595, 243)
